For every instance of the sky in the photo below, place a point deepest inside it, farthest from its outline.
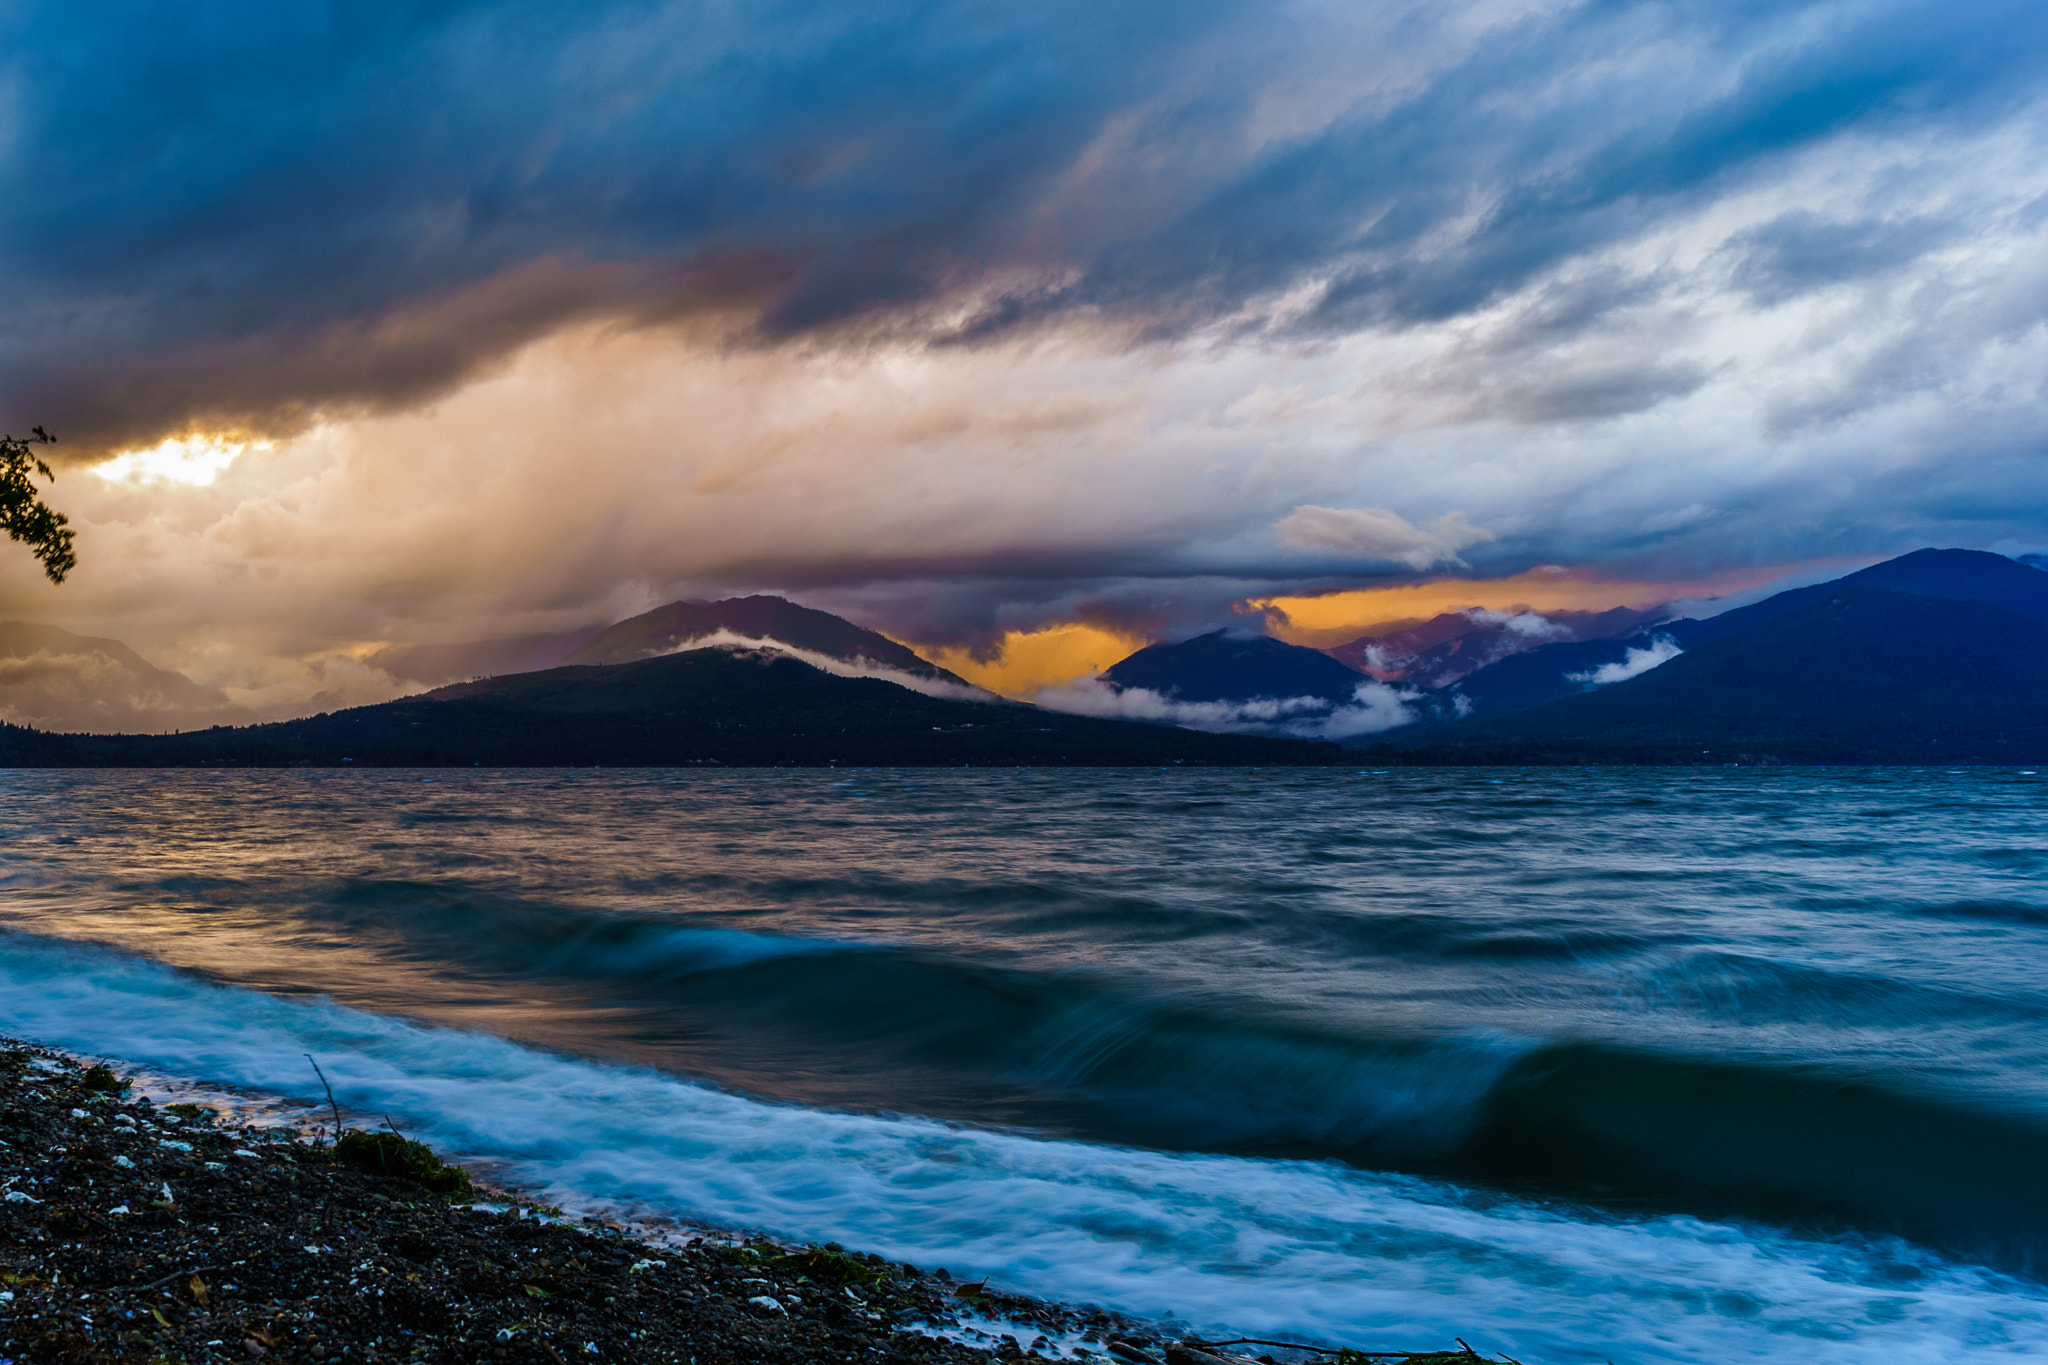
(1024, 333)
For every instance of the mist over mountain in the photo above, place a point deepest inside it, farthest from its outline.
(730, 706)
(1935, 656)
(51, 679)
(1753, 679)
(1858, 674)
(667, 629)
(663, 630)
(1233, 682)
(1442, 650)
(1273, 683)
(1553, 671)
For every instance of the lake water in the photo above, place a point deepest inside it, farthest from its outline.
(1578, 1065)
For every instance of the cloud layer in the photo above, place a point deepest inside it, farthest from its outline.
(1661, 649)
(1375, 535)
(969, 320)
(1373, 708)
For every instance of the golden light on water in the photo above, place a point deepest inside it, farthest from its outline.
(195, 461)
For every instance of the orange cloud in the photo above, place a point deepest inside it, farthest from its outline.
(1334, 618)
(1029, 661)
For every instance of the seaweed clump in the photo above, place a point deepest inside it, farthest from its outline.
(99, 1076)
(833, 1264)
(390, 1154)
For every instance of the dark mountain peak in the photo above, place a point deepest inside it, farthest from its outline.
(1823, 680)
(1227, 665)
(669, 628)
(1971, 575)
(1552, 671)
(434, 664)
(1958, 575)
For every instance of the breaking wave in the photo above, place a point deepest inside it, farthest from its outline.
(1256, 1245)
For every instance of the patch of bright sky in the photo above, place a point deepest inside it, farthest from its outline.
(193, 460)
(1335, 618)
(1029, 661)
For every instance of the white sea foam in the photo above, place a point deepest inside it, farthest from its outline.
(1262, 1247)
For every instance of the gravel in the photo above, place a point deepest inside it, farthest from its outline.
(131, 1231)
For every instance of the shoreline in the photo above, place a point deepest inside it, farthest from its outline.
(132, 1231)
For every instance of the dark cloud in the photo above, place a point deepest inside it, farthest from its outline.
(198, 177)
(1802, 251)
(1563, 136)
(256, 211)
(274, 383)
(1593, 391)
(976, 613)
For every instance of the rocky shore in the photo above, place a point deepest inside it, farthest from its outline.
(148, 1233)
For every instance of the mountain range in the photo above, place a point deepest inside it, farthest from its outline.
(1856, 675)
(1557, 672)
(1936, 656)
(1481, 654)
(725, 705)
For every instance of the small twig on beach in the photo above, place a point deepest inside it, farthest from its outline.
(330, 1096)
(394, 1128)
(159, 1284)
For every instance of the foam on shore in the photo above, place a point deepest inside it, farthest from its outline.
(1225, 1243)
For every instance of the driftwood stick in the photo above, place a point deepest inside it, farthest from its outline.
(1326, 1351)
(330, 1096)
(1288, 1346)
(159, 1284)
(1260, 1341)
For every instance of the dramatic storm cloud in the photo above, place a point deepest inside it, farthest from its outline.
(433, 322)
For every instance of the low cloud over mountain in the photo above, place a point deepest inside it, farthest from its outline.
(51, 679)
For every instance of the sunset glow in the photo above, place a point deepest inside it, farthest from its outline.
(1333, 618)
(1026, 662)
(1364, 672)
(195, 461)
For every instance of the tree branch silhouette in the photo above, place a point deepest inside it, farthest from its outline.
(26, 517)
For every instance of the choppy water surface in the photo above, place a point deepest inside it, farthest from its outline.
(1622, 1065)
